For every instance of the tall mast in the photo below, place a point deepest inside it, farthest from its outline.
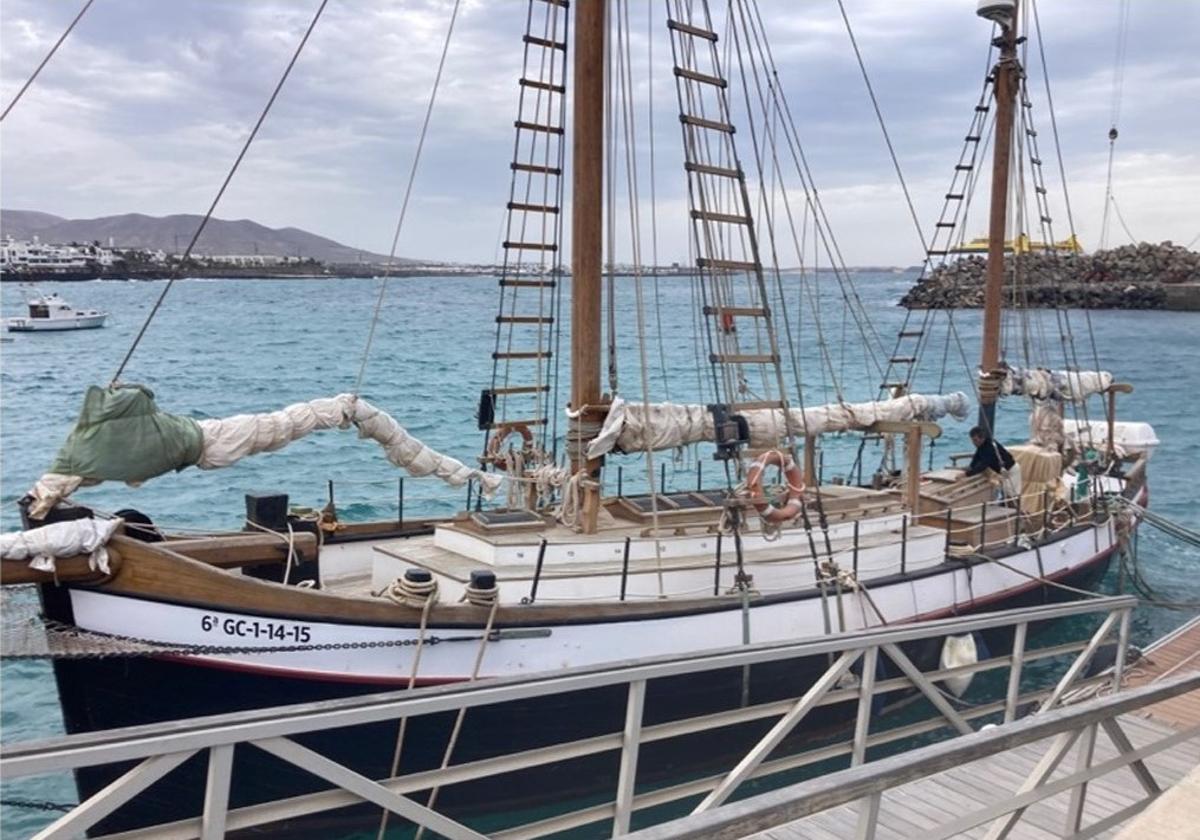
(1006, 79)
(587, 191)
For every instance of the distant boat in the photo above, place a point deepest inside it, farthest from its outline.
(51, 312)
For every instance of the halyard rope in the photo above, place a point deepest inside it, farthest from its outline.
(412, 176)
(221, 192)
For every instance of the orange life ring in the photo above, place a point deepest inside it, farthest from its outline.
(795, 482)
(503, 432)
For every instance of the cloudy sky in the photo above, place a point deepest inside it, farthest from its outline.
(147, 103)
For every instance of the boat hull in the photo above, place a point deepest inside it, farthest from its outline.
(81, 322)
(105, 693)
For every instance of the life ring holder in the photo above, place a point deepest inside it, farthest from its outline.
(795, 482)
(501, 434)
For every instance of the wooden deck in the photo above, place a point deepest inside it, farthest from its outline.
(919, 808)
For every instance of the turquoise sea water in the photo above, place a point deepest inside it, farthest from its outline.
(221, 347)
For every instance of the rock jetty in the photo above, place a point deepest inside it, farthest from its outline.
(1145, 276)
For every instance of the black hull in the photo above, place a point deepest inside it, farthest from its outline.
(102, 694)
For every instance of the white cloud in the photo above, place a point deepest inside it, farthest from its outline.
(146, 105)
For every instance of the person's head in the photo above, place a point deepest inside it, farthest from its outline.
(978, 436)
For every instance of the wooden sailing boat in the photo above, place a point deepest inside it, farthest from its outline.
(331, 608)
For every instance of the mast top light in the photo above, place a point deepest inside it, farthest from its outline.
(1001, 12)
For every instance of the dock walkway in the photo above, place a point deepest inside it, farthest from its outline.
(927, 807)
(922, 808)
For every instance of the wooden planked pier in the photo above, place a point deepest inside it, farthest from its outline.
(1108, 767)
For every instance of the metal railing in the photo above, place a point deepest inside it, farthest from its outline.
(868, 784)
(159, 748)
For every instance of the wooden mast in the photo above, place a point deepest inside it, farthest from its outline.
(587, 191)
(1006, 76)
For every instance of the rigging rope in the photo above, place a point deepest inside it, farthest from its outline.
(412, 176)
(46, 60)
(221, 192)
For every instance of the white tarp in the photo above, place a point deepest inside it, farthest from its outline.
(42, 547)
(230, 439)
(673, 425)
(1042, 384)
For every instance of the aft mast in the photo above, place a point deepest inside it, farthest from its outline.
(1006, 74)
(587, 190)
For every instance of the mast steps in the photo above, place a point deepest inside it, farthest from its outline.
(533, 208)
(713, 125)
(548, 129)
(694, 31)
(509, 390)
(755, 405)
(746, 311)
(540, 85)
(530, 246)
(744, 358)
(524, 319)
(727, 218)
(535, 168)
(544, 42)
(730, 265)
(720, 171)
(972, 138)
(516, 283)
(540, 421)
(964, 167)
(521, 354)
(703, 78)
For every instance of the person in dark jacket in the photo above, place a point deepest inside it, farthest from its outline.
(990, 455)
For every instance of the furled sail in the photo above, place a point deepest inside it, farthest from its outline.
(122, 436)
(1067, 385)
(629, 427)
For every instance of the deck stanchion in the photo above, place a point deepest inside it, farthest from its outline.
(699, 475)
(624, 569)
(400, 499)
(1014, 672)
(903, 542)
(537, 572)
(620, 480)
(982, 525)
(329, 492)
(662, 477)
(717, 570)
(854, 556)
(949, 524)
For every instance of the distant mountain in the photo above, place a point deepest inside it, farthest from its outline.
(172, 234)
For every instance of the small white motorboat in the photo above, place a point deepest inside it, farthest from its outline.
(51, 312)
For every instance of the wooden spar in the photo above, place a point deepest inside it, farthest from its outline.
(1006, 83)
(587, 190)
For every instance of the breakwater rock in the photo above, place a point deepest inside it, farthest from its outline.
(1145, 276)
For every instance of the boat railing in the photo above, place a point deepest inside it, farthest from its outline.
(862, 668)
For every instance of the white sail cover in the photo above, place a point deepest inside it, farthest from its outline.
(43, 546)
(228, 440)
(673, 425)
(1043, 384)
